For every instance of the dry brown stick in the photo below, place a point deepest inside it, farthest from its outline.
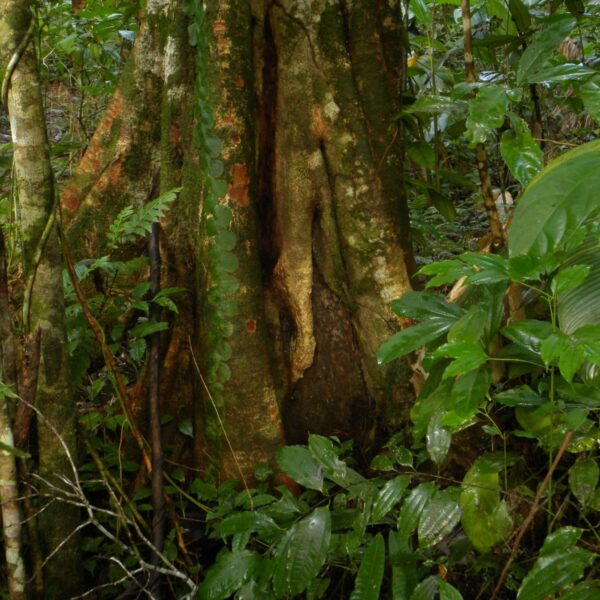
(498, 238)
(120, 388)
(527, 522)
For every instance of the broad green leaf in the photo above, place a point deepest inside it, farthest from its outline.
(426, 590)
(438, 440)
(520, 15)
(467, 356)
(529, 333)
(443, 204)
(485, 517)
(519, 396)
(422, 154)
(569, 278)
(370, 573)
(590, 94)
(561, 540)
(449, 592)
(579, 307)
(434, 105)
(408, 340)
(557, 202)
(554, 570)
(520, 151)
(337, 470)
(583, 479)
(559, 73)
(471, 327)
(388, 496)
(570, 362)
(469, 391)
(438, 519)
(586, 590)
(245, 522)
(301, 553)
(445, 271)
(423, 305)
(553, 346)
(486, 113)
(411, 509)
(228, 574)
(299, 464)
(539, 52)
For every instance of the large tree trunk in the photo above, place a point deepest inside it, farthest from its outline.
(291, 231)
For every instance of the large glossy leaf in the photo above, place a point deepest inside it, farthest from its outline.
(334, 468)
(486, 113)
(301, 553)
(538, 53)
(449, 592)
(560, 564)
(583, 479)
(299, 464)
(426, 590)
(438, 439)
(423, 305)
(370, 573)
(557, 202)
(586, 590)
(485, 517)
(559, 73)
(520, 151)
(438, 519)
(228, 574)
(590, 94)
(411, 509)
(579, 306)
(388, 496)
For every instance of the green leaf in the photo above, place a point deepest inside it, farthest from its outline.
(449, 592)
(570, 362)
(590, 94)
(411, 509)
(370, 573)
(443, 204)
(520, 151)
(421, 11)
(422, 154)
(228, 574)
(445, 271)
(529, 333)
(560, 73)
(389, 496)
(520, 15)
(438, 519)
(186, 427)
(337, 470)
(467, 356)
(583, 479)
(301, 553)
(569, 278)
(299, 464)
(486, 113)
(423, 305)
(485, 518)
(147, 328)
(246, 522)
(520, 396)
(539, 52)
(557, 203)
(408, 340)
(553, 346)
(586, 590)
(433, 105)
(579, 307)
(556, 568)
(438, 440)
(426, 590)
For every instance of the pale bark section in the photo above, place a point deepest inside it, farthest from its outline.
(337, 170)
(42, 265)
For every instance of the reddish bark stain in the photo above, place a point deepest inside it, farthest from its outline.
(319, 126)
(70, 199)
(239, 83)
(175, 136)
(219, 28)
(251, 325)
(238, 188)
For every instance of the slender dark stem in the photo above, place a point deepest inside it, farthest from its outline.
(158, 499)
(532, 511)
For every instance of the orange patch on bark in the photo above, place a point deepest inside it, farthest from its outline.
(175, 136)
(238, 188)
(239, 83)
(70, 199)
(251, 325)
(219, 28)
(319, 126)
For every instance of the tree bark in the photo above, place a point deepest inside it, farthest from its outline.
(291, 232)
(44, 301)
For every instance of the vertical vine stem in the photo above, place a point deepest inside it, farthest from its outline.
(158, 499)
(527, 522)
(498, 238)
